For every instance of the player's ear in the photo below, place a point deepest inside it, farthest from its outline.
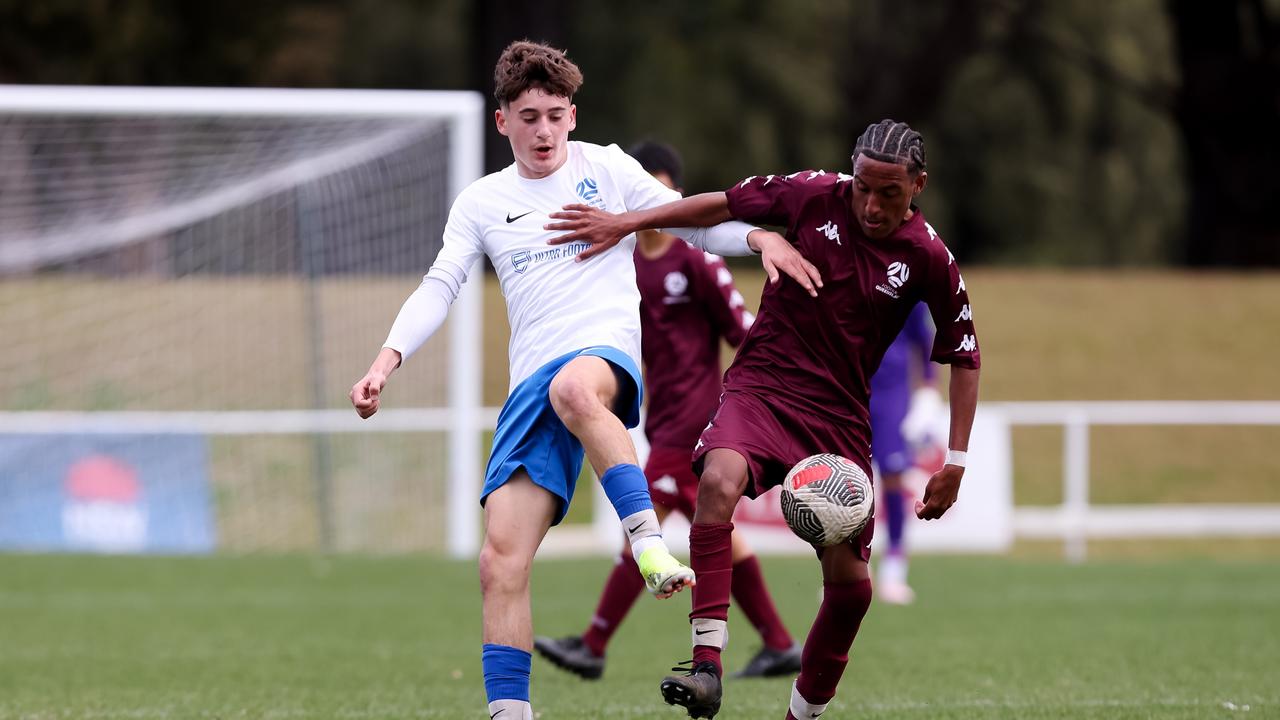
(919, 182)
(573, 117)
(500, 120)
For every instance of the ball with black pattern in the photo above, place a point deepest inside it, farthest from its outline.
(827, 499)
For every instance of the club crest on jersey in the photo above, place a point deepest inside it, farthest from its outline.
(676, 285)
(589, 191)
(897, 275)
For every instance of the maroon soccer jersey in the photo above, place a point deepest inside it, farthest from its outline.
(810, 359)
(687, 303)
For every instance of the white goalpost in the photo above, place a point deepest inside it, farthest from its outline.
(223, 264)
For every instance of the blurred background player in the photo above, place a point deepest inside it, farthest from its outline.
(893, 394)
(688, 302)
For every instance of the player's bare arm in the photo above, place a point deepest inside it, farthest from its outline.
(367, 392)
(941, 491)
(604, 230)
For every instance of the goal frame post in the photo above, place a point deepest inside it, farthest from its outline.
(462, 111)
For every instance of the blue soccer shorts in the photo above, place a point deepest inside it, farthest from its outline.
(530, 434)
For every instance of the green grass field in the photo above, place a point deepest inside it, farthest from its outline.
(353, 637)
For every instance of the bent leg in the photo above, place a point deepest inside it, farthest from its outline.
(583, 395)
(846, 595)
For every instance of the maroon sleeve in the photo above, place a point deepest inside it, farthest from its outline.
(722, 301)
(771, 199)
(956, 341)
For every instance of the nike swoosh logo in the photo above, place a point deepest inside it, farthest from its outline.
(702, 632)
(634, 529)
(511, 220)
(491, 717)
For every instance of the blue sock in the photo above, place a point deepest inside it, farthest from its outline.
(896, 506)
(627, 489)
(506, 672)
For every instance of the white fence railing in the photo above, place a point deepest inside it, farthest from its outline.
(1075, 521)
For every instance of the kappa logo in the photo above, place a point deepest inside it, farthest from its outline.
(966, 313)
(898, 274)
(520, 261)
(830, 230)
(961, 288)
(968, 343)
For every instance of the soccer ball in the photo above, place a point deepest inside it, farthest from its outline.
(827, 499)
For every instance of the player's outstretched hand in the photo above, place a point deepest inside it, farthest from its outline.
(587, 224)
(776, 254)
(366, 394)
(940, 493)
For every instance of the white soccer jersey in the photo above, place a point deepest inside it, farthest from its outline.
(554, 304)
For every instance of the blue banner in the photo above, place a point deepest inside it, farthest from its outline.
(105, 493)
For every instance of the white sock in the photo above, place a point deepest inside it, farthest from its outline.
(893, 569)
(802, 708)
(510, 710)
(643, 532)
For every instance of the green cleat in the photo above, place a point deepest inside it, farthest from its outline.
(663, 574)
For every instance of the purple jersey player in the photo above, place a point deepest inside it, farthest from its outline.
(891, 397)
(799, 384)
(688, 303)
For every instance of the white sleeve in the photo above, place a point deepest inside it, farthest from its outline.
(424, 312)
(727, 238)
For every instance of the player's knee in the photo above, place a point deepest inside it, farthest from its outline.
(574, 399)
(502, 570)
(718, 491)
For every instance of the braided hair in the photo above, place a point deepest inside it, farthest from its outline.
(893, 142)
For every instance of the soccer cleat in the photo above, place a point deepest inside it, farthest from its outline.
(663, 574)
(572, 654)
(697, 691)
(772, 663)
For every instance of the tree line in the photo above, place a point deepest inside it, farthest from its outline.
(1088, 134)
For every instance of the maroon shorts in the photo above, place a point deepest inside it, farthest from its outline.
(672, 483)
(775, 438)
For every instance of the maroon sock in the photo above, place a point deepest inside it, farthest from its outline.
(826, 651)
(620, 592)
(712, 561)
(752, 596)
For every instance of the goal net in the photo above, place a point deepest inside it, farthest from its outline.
(191, 280)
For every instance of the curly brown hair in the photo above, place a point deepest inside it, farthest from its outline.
(525, 64)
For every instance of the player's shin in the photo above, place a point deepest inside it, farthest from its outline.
(711, 551)
(628, 492)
